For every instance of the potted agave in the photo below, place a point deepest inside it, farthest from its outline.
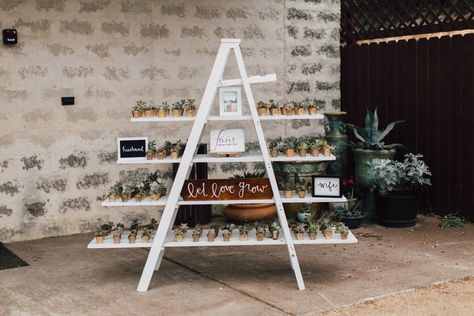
(99, 236)
(117, 233)
(274, 108)
(146, 234)
(287, 191)
(190, 107)
(301, 192)
(324, 147)
(260, 231)
(226, 235)
(312, 230)
(229, 227)
(161, 153)
(176, 109)
(149, 110)
(262, 108)
(315, 148)
(275, 146)
(274, 230)
(137, 110)
(163, 109)
(180, 232)
(150, 153)
(288, 109)
(326, 228)
(298, 108)
(312, 109)
(370, 146)
(344, 231)
(197, 233)
(155, 193)
(397, 186)
(299, 231)
(302, 146)
(244, 232)
(132, 236)
(211, 234)
(289, 147)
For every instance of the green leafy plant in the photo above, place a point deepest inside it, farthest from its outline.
(411, 174)
(452, 220)
(249, 175)
(139, 105)
(152, 146)
(370, 136)
(245, 229)
(164, 106)
(300, 228)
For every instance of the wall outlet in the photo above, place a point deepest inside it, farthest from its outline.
(67, 100)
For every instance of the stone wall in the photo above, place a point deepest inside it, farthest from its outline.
(57, 162)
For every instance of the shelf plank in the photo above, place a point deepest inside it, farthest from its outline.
(170, 241)
(307, 158)
(134, 161)
(309, 199)
(291, 117)
(163, 119)
(170, 118)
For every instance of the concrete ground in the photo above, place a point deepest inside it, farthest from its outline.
(64, 277)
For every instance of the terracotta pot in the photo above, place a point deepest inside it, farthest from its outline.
(124, 197)
(260, 236)
(175, 113)
(191, 112)
(262, 111)
(327, 151)
(275, 111)
(149, 113)
(344, 235)
(313, 110)
(99, 239)
(312, 236)
(139, 197)
(250, 212)
(226, 237)
(117, 239)
(327, 233)
(315, 152)
(132, 238)
(290, 152)
(300, 236)
(162, 113)
(145, 239)
(155, 197)
(137, 114)
(179, 237)
(301, 193)
(112, 198)
(274, 152)
(302, 152)
(196, 237)
(163, 192)
(300, 111)
(244, 237)
(160, 155)
(275, 234)
(174, 155)
(211, 237)
(288, 111)
(288, 194)
(150, 155)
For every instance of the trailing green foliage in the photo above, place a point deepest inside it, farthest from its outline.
(452, 220)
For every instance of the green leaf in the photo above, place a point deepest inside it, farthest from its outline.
(387, 130)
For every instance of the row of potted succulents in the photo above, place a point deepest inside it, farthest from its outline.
(262, 230)
(145, 232)
(175, 150)
(325, 227)
(150, 187)
(176, 109)
(290, 108)
(303, 145)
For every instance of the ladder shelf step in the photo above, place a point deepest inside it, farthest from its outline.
(229, 118)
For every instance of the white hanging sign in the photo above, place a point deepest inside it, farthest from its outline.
(227, 141)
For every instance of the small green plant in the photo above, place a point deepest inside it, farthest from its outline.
(300, 228)
(229, 227)
(370, 137)
(139, 105)
(197, 230)
(274, 105)
(260, 227)
(216, 228)
(134, 224)
(245, 229)
(152, 146)
(452, 220)
(249, 175)
(312, 228)
(164, 106)
(302, 144)
(274, 226)
(189, 103)
(146, 232)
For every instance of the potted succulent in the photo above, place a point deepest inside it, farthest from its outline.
(304, 213)
(275, 146)
(190, 107)
(344, 231)
(176, 109)
(299, 231)
(226, 234)
(176, 149)
(149, 110)
(298, 108)
(197, 232)
(288, 110)
(262, 108)
(312, 109)
(132, 236)
(287, 191)
(99, 236)
(289, 146)
(135, 224)
(260, 231)
(146, 234)
(326, 228)
(137, 110)
(155, 193)
(150, 153)
(301, 190)
(153, 224)
(324, 147)
(163, 109)
(397, 186)
(370, 146)
(302, 146)
(161, 153)
(312, 230)
(229, 227)
(211, 234)
(180, 232)
(244, 232)
(274, 108)
(117, 233)
(274, 230)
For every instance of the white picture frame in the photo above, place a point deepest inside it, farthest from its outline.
(230, 101)
(227, 141)
(327, 187)
(121, 141)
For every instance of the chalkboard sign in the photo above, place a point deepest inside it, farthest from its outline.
(325, 186)
(132, 147)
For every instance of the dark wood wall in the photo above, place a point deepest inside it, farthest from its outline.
(430, 84)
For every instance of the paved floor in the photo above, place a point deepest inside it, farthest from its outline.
(64, 277)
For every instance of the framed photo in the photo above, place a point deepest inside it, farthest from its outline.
(326, 186)
(230, 101)
(227, 141)
(132, 147)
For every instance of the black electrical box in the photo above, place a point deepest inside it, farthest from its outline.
(67, 101)
(10, 36)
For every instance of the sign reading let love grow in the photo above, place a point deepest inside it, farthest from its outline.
(226, 189)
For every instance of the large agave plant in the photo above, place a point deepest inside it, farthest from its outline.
(370, 137)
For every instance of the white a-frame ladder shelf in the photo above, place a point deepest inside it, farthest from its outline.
(163, 237)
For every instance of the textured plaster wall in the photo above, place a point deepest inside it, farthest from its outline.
(57, 162)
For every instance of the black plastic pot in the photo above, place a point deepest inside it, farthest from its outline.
(397, 209)
(352, 222)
